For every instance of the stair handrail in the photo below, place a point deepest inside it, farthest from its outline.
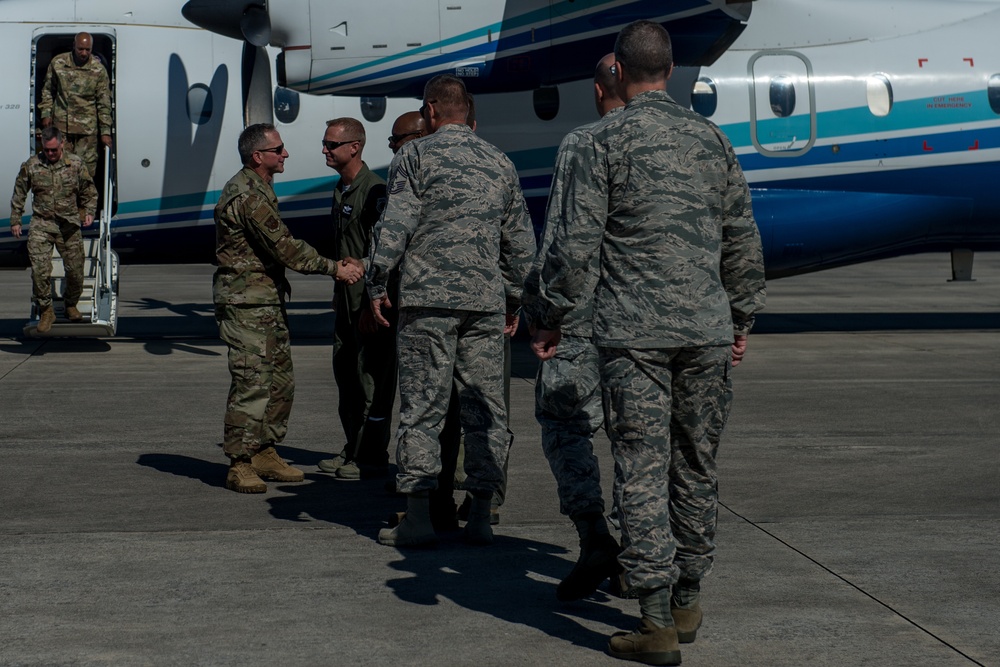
(104, 255)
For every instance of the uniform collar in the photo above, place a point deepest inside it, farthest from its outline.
(650, 96)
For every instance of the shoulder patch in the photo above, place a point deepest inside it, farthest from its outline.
(397, 180)
(380, 204)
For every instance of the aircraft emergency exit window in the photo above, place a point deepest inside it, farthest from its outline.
(782, 94)
(993, 92)
(286, 105)
(704, 97)
(199, 104)
(373, 108)
(546, 102)
(879, 94)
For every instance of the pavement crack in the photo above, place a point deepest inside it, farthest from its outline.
(826, 569)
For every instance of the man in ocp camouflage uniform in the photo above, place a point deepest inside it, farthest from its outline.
(567, 389)
(456, 225)
(61, 188)
(253, 247)
(658, 192)
(76, 98)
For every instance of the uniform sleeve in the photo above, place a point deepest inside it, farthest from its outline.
(393, 232)
(517, 245)
(529, 299)
(265, 227)
(22, 185)
(45, 105)
(742, 266)
(87, 192)
(575, 225)
(103, 102)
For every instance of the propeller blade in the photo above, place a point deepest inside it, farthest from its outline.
(258, 105)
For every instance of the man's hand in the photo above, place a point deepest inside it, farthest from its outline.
(350, 270)
(88, 220)
(46, 122)
(16, 230)
(544, 342)
(377, 306)
(739, 349)
(106, 140)
(510, 326)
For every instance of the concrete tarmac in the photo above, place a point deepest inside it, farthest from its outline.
(860, 484)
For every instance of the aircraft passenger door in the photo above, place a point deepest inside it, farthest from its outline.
(782, 103)
(49, 42)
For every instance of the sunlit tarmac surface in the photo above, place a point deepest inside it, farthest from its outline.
(859, 475)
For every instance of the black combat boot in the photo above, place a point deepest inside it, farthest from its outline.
(598, 557)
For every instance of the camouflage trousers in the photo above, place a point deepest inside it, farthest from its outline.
(665, 411)
(83, 146)
(568, 408)
(263, 384)
(68, 240)
(364, 366)
(439, 349)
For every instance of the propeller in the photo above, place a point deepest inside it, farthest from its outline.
(247, 21)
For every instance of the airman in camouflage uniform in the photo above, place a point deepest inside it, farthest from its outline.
(76, 98)
(657, 191)
(567, 389)
(456, 225)
(253, 247)
(61, 187)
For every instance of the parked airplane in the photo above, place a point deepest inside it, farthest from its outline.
(866, 128)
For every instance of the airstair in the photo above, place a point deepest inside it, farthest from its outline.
(99, 301)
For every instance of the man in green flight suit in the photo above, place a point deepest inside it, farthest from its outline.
(364, 355)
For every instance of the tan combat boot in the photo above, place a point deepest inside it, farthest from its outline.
(242, 479)
(414, 528)
(46, 319)
(649, 644)
(73, 314)
(269, 465)
(478, 529)
(685, 609)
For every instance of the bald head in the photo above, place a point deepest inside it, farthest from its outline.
(606, 95)
(83, 46)
(407, 127)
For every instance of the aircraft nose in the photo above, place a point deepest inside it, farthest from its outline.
(239, 19)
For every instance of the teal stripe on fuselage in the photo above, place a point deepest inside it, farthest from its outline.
(305, 186)
(859, 121)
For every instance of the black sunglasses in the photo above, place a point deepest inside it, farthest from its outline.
(396, 138)
(334, 145)
(277, 150)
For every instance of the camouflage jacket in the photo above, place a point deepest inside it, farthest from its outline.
(355, 213)
(58, 190)
(253, 246)
(658, 194)
(579, 321)
(456, 224)
(77, 97)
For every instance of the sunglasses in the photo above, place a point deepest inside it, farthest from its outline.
(396, 138)
(334, 145)
(277, 150)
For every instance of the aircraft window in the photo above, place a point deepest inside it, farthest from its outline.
(704, 97)
(199, 104)
(546, 102)
(782, 92)
(286, 105)
(993, 92)
(373, 108)
(879, 94)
